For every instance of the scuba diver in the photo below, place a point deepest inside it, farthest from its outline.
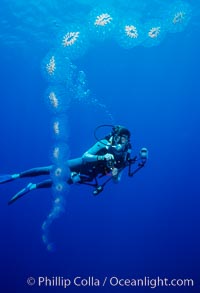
(107, 157)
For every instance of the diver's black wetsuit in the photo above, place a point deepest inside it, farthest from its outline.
(106, 157)
(88, 166)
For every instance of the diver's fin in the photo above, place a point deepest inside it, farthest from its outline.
(22, 192)
(6, 178)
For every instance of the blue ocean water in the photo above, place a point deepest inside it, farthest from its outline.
(147, 225)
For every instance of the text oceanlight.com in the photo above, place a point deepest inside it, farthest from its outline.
(114, 281)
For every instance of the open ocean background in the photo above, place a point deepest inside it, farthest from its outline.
(144, 226)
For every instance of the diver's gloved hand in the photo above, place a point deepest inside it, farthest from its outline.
(106, 157)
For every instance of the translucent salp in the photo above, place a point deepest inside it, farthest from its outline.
(129, 33)
(57, 68)
(57, 98)
(60, 128)
(178, 16)
(60, 153)
(73, 41)
(102, 22)
(155, 32)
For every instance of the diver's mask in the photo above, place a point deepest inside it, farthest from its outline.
(120, 142)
